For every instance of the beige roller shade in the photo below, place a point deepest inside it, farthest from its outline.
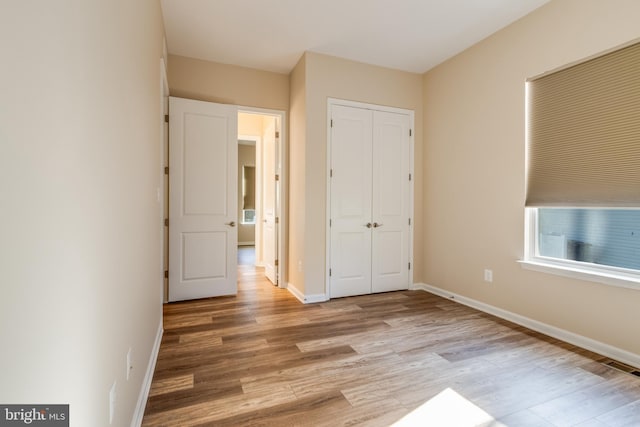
(584, 133)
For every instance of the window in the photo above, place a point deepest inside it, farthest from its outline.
(248, 195)
(583, 167)
(248, 216)
(609, 237)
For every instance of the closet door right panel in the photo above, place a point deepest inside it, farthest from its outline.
(391, 193)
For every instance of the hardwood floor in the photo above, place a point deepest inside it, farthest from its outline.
(264, 359)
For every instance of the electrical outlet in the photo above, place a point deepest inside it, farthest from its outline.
(112, 402)
(488, 275)
(129, 363)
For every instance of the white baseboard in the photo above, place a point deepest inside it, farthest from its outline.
(306, 299)
(552, 331)
(138, 414)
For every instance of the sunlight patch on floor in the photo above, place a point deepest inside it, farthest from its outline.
(447, 409)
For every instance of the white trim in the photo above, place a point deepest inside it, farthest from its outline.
(552, 331)
(327, 235)
(163, 190)
(246, 243)
(306, 299)
(367, 106)
(591, 275)
(138, 413)
(375, 107)
(412, 194)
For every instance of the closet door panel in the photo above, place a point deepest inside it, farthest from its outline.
(390, 197)
(351, 163)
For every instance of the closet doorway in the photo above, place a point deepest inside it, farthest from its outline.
(370, 198)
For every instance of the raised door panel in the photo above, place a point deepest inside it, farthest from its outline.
(203, 199)
(390, 208)
(350, 199)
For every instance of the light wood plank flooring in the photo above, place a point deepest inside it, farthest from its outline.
(263, 359)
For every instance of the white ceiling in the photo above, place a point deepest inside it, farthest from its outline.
(272, 35)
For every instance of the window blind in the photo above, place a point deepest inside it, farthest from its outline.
(583, 133)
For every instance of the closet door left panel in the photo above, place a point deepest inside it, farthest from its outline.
(203, 154)
(351, 139)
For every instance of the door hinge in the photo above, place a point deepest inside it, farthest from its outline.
(277, 177)
(166, 274)
(277, 220)
(166, 118)
(330, 173)
(331, 122)
(409, 266)
(166, 170)
(275, 263)
(329, 272)
(330, 223)
(410, 132)
(277, 134)
(409, 221)
(166, 222)
(409, 177)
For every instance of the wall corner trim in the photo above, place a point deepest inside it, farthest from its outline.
(552, 331)
(138, 413)
(306, 299)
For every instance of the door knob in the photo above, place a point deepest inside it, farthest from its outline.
(368, 225)
(232, 223)
(376, 225)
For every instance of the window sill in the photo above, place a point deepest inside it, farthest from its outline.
(619, 279)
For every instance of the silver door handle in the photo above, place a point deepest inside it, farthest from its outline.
(376, 225)
(232, 223)
(368, 225)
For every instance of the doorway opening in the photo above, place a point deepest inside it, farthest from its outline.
(260, 184)
(216, 196)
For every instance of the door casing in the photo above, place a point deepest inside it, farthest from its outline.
(334, 102)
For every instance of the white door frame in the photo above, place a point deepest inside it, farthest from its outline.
(335, 101)
(281, 202)
(163, 189)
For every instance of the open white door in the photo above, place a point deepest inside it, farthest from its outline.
(269, 231)
(203, 162)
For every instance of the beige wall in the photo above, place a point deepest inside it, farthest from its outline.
(329, 77)
(250, 125)
(80, 252)
(474, 170)
(227, 84)
(297, 178)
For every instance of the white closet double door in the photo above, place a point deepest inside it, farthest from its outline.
(370, 201)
